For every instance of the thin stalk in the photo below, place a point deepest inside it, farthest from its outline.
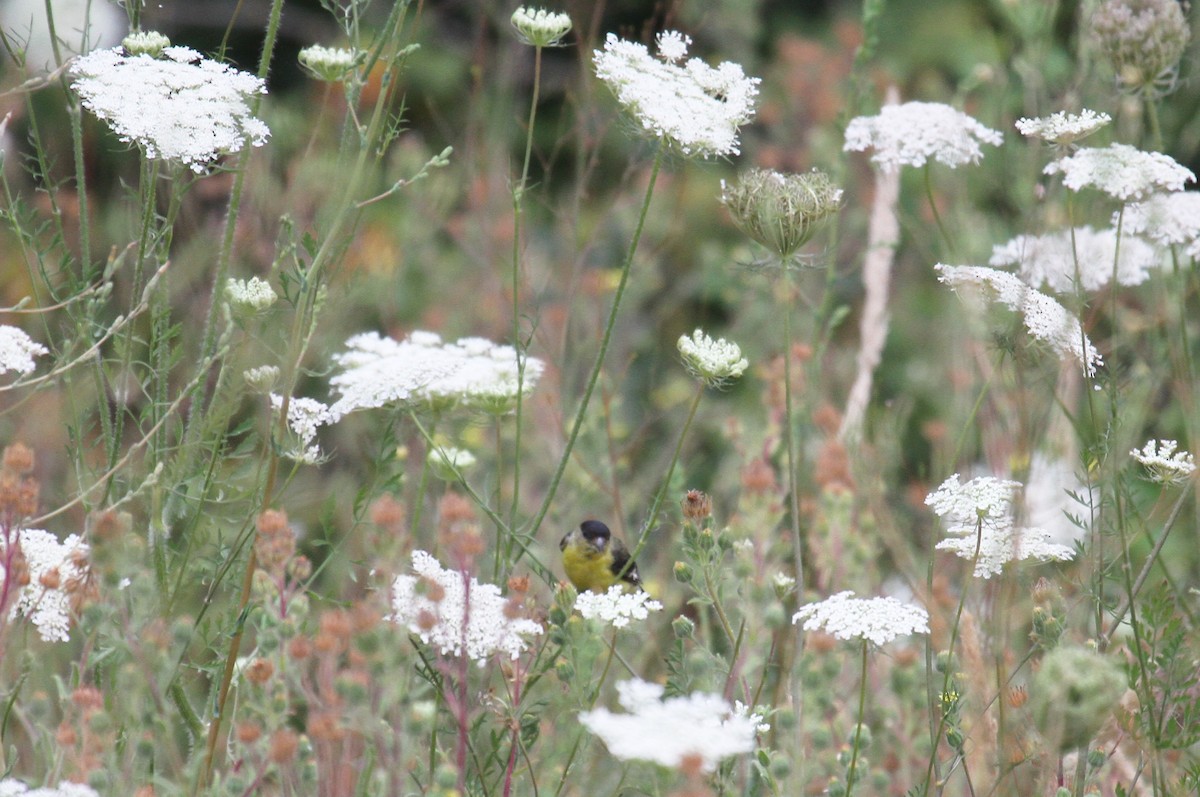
(862, 703)
(937, 217)
(962, 600)
(789, 438)
(518, 212)
(656, 507)
(604, 341)
(612, 649)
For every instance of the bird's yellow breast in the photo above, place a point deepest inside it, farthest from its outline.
(588, 568)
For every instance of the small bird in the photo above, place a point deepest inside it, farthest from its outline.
(594, 559)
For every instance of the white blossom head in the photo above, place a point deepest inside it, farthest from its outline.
(878, 620)
(695, 108)
(180, 107)
(472, 373)
(17, 350)
(978, 516)
(714, 362)
(305, 417)
(1045, 319)
(330, 64)
(54, 568)
(616, 607)
(538, 27)
(1058, 258)
(673, 731)
(467, 619)
(1163, 463)
(1063, 128)
(251, 296)
(1168, 220)
(1121, 171)
(915, 132)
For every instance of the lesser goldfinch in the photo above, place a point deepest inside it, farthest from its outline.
(595, 560)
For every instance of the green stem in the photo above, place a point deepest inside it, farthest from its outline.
(604, 341)
(518, 212)
(656, 507)
(790, 442)
(937, 217)
(862, 703)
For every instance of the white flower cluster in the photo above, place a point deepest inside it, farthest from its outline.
(1057, 258)
(183, 107)
(1168, 220)
(878, 620)
(1121, 171)
(1164, 463)
(10, 787)
(474, 372)
(715, 362)
(17, 350)
(253, 295)
(305, 417)
(1063, 127)
(616, 607)
(538, 27)
(668, 732)
(692, 105)
(327, 63)
(448, 624)
(48, 608)
(1046, 319)
(912, 133)
(979, 515)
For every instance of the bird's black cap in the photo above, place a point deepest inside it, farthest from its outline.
(594, 530)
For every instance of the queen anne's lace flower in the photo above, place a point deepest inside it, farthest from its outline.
(878, 620)
(912, 133)
(17, 350)
(254, 294)
(48, 608)
(693, 106)
(1046, 319)
(327, 63)
(538, 27)
(1121, 171)
(1063, 127)
(181, 107)
(473, 372)
(715, 362)
(474, 624)
(671, 731)
(616, 607)
(979, 515)
(446, 460)
(1056, 258)
(1164, 464)
(1168, 220)
(305, 417)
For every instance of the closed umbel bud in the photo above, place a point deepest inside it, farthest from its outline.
(1143, 40)
(781, 211)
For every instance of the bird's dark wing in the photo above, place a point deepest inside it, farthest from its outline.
(620, 559)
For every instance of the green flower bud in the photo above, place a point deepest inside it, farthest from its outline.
(683, 572)
(145, 42)
(540, 28)
(682, 627)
